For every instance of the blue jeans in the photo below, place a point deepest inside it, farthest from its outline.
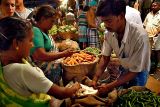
(139, 80)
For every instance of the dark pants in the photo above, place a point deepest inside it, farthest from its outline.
(155, 59)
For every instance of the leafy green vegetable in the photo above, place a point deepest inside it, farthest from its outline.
(93, 50)
(53, 30)
(138, 99)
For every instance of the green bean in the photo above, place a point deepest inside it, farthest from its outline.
(138, 99)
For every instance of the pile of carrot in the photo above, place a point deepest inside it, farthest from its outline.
(79, 58)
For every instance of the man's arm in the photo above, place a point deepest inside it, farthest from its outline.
(123, 79)
(101, 67)
(105, 88)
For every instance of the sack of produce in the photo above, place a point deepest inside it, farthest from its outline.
(65, 44)
(79, 65)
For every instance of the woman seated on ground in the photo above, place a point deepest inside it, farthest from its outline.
(44, 49)
(15, 42)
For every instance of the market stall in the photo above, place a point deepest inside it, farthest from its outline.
(135, 96)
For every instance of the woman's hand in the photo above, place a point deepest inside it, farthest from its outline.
(75, 87)
(63, 92)
(69, 52)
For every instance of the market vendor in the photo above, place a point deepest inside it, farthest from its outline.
(44, 53)
(130, 43)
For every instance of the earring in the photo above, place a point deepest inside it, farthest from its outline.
(17, 48)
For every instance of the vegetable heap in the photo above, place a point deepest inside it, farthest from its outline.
(138, 99)
(79, 58)
(67, 28)
(62, 29)
(93, 50)
(53, 30)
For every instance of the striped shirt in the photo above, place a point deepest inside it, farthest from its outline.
(82, 19)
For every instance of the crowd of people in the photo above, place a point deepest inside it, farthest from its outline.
(24, 35)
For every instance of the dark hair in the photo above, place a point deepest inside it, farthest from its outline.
(158, 1)
(46, 11)
(12, 28)
(81, 7)
(111, 7)
(86, 8)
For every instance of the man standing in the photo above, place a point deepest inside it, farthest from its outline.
(21, 10)
(133, 15)
(152, 26)
(152, 20)
(130, 43)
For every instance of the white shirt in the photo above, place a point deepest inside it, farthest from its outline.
(134, 46)
(24, 14)
(156, 42)
(70, 16)
(25, 79)
(152, 23)
(133, 16)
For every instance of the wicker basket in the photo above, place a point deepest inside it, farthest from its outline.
(77, 72)
(68, 35)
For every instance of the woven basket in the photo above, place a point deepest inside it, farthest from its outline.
(77, 72)
(68, 35)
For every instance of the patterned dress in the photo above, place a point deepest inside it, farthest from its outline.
(82, 30)
(93, 37)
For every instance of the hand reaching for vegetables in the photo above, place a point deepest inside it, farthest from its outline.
(69, 52)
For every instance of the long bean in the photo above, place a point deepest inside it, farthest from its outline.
(138, 99)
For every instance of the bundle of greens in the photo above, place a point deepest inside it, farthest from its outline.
(138, 99)
(93, 50)
(62, 29)
(53, 30)
(67, 28)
